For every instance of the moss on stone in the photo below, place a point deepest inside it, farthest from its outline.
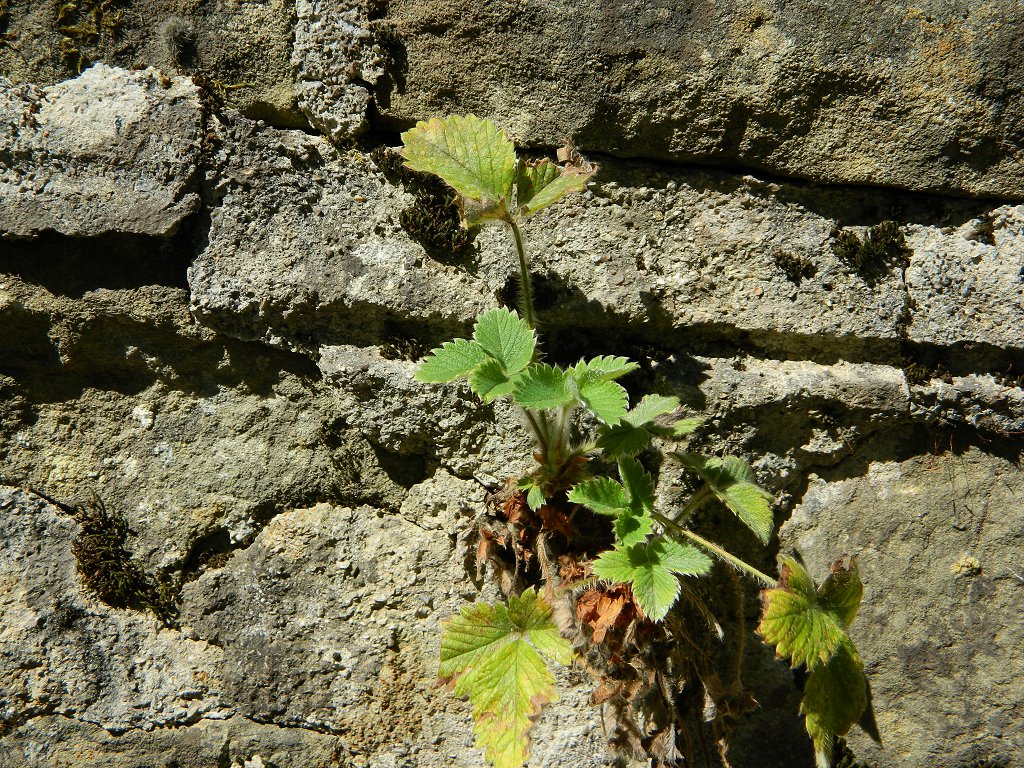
(110, 571)
(795, 268)
(82, 24)
(433, 220)
(883, 248)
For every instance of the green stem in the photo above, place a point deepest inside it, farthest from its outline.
(540, 434)
(524, 275)
(696, 502)
(563, 437)
(764, 578)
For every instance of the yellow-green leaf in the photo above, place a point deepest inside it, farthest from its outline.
(498, 656)
(541, 183)
(471, 154)
(835, 696)
(795, 624)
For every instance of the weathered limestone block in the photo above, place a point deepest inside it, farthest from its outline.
(63, 653)
(191, 437)
(55, 741)
(336, 65)
(110, 151)
(968, 283)
(303, 249)
(330, 621)
(938, 542)
(241, 50)
(446, 423)
(913, 95)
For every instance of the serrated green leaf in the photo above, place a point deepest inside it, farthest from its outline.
(733, 482)
(623, 439)
(498, 657)
(638, 484)
(684, 427)
(605, 399)
(603, 367)
(535, 497)
(835, 696)
(541, 183)
(452, 360)
(631, 529)
(542, 386)
(650, 570)
(600, 494)
(507, 338)
(842, 591)
(472, 155)
(490, 381)
(649, 408)
(794, 622)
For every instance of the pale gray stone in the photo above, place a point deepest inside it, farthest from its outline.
(939, 552)
(920, 96)
(336, 65)
(109, 151)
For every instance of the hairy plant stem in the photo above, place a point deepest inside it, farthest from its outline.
(764, 578)
(698, 500)
(525, 287)
(539, 431)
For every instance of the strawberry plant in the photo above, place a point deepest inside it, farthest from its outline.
(587, 470)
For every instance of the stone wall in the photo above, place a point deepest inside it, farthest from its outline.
(210, 312)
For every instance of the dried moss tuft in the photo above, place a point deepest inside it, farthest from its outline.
(434, 219)
(795, 268)
(83, 24)
(110, 571)
(884, 248)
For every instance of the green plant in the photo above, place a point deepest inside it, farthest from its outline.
(809, 626)
(582, 425)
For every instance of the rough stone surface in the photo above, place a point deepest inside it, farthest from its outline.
(241, 50)
(110, 151)
(968, 284)
(334, 266)
(336, 63)
(645, 249)
(238, 385)
(327, 624)
(923, 96)
(938, 548)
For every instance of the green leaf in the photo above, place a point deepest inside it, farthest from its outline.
(733, 482)
(542, 386)
(472, 155)
(638, 484)
(809, 626)
(490, 381)
(623, 439)
(842, 591)
(605, 399)
(631, 528)
(507, 338)
(800, 628)
(649, 408)
(835, 696)
(498, 656)
(600, 494)
(650, 570)
(603, 367)
(541, 183)
(684, 427)
(535, 497)
(452, 360)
